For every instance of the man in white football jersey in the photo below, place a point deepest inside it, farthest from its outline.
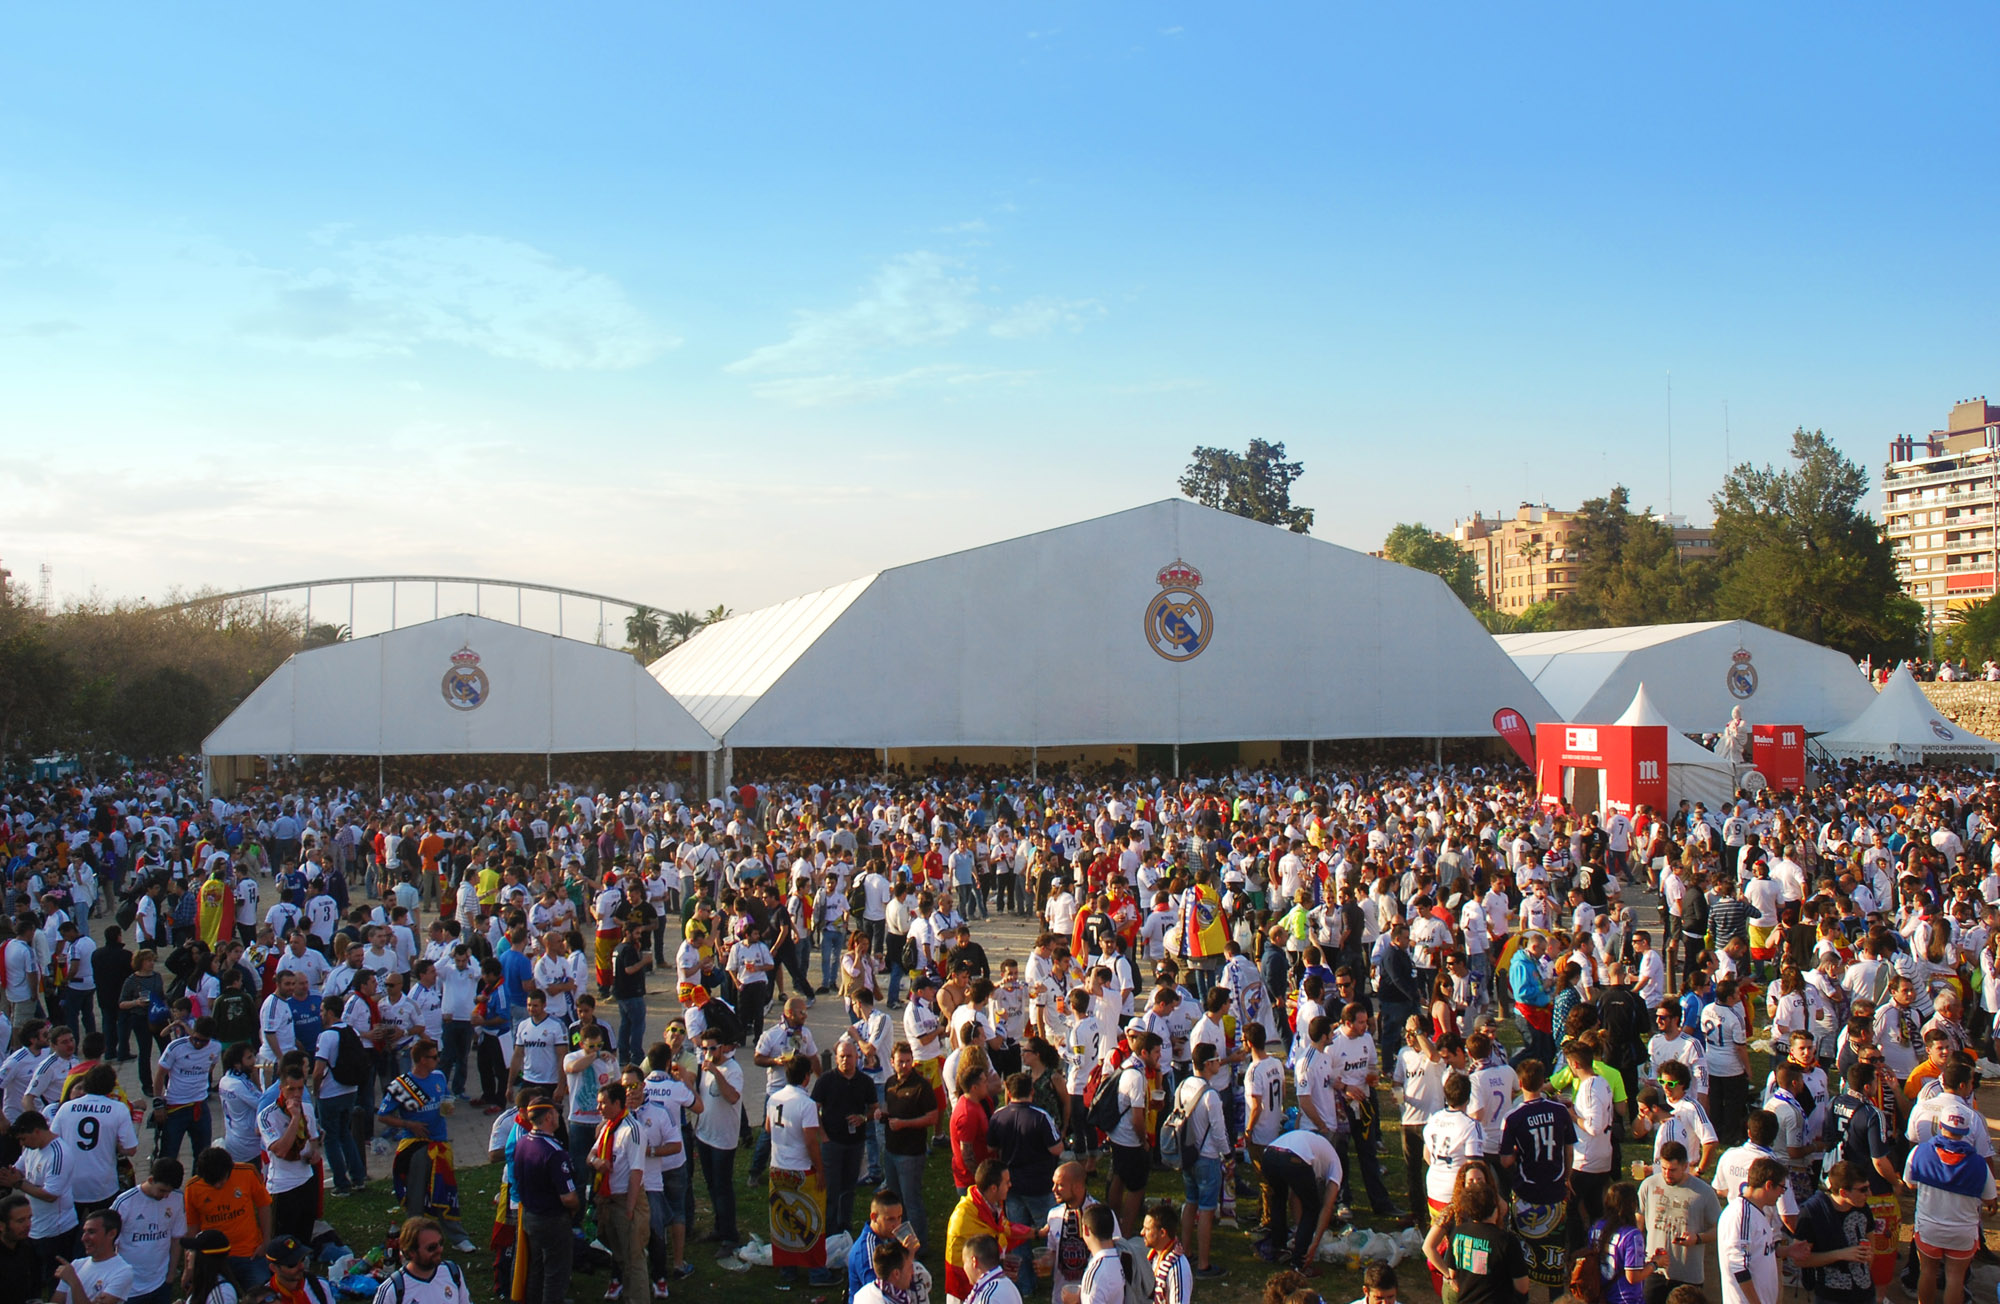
(95, 1128)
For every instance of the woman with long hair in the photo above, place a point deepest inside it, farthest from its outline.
(1476, 1203)
(1616, 1250)
(1044, 1067)
(1444, 1011)
(858, 970)
(205, 1270)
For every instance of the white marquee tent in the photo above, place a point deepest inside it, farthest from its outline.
(1694, 773)
(1168, 623)
(458, 685)
(1902, 725)
(1695, 673)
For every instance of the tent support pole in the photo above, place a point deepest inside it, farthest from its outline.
(708, 776)
(1177, 760)
(728, 765)
(1034, 763)
(548, 771)
(1440, 751)
(1310, 771)
(381, 778)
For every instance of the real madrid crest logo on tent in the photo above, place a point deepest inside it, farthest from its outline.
(1741, 676)
(1178, 621)
(465, 684)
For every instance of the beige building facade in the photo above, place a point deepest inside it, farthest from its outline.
(1537, 554)
(1939, 496)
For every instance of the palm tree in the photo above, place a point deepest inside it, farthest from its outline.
(677, 627)
(716, 614)
(642, 634)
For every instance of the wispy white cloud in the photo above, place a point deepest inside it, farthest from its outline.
(916, 301)
(1171, 31)
(839, 388)
(1040, 316)
(917, 298)
(482, 292)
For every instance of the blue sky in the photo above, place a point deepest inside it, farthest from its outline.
(719, 304)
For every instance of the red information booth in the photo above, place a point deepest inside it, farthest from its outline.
(1599, 767)
(1779, 753)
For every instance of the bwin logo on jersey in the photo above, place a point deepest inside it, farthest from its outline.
(1178, 621)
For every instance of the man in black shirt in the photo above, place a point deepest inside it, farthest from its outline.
(1022, 1136)
(970, 954)
(19, 1270)
(629, 962)
(1537, 1144)
(1834, 1231)
(846, 1100)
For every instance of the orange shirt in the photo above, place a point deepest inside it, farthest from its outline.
(230, 1208)
(430, 849)
(1919, 1075)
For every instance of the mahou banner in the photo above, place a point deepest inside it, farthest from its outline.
(1507, 722)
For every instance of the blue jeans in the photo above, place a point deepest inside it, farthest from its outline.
(832, 942)
(895, 966)
(82, 1009)
(876, 1132)
(1031, 1209)
(456, 1053)
(191, 1121)
(718, 1173)
(906, 1178)
(343, 1152)
(631, 1029)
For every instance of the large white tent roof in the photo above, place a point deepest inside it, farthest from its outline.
(1694, 673)
(459, 685)
(1051, 639)
(1902, 725)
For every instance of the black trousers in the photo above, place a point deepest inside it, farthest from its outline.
(1366, 1133)
(1413, 1165)
(1729, 1108)
(1284, 1175)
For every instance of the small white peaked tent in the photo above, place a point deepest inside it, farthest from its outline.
(1168, 623)
(1694, 773)
(1695, 672)
(458, 685)
(1901, 725)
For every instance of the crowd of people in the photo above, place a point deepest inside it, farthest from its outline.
(1227, 991)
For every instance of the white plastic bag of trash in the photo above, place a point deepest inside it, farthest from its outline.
(837, 1247)
(754, 1253)
(1339, 1249)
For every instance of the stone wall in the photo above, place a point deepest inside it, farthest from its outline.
(1974, 706)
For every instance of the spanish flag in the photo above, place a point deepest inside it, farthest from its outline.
(211, 911)
(1204, 931)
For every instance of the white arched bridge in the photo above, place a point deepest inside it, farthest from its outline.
(388, 600)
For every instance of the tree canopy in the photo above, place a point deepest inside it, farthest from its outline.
(1799, 552)
(1419, 547)
(1972, 633)
(1256, 483)
(1631, 573)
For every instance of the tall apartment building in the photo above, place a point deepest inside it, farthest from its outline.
(1524, 560)
(1939, 496)
(1537, 555)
